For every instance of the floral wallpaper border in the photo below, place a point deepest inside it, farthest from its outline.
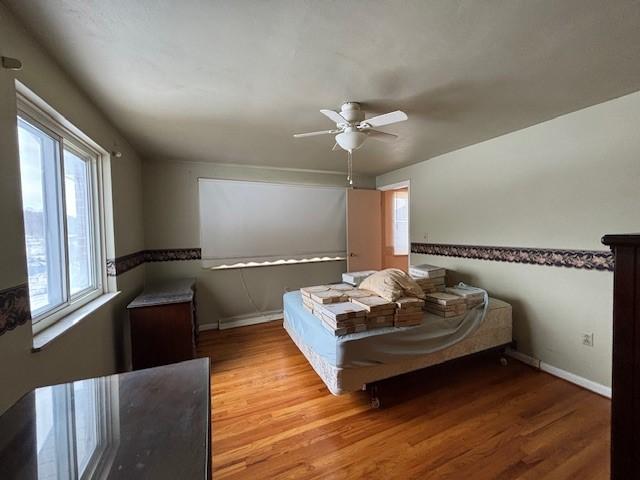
(119, 265)
(582, 259)
(14, 301)
(172, 254)
(14, 307)
(551, 257)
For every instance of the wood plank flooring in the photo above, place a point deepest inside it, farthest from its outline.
(472, 419)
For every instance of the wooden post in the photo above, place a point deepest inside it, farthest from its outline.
(625, 406)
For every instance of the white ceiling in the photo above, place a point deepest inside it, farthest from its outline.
(231, 81)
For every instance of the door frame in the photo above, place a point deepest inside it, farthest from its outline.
(395, 186)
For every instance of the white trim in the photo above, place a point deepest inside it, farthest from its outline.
(253, 319)
(563, 374)
(34, 111)
(50, 333)
(243, 320)
(208, 326)
(533, 362)
(394, 186)
(580, 381)
(51, 118)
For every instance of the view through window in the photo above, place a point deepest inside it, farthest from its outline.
(58, 191)
(401, 223)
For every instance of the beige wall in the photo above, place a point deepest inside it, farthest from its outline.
(172, 221)
(560, 184)
(93, 347)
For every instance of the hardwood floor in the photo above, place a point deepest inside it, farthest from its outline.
(471, 419)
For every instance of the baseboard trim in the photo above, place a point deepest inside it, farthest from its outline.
(207, 326)
(533, 362)
(242, 321)
(245, 321)
(563, 374)
(580, 381)
(251, 319)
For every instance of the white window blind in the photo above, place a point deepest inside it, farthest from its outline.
(257, 223)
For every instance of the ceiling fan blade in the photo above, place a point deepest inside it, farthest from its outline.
(335, 117)
(385, 137)
(313, 134)
(386, 119)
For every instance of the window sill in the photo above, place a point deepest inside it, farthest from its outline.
(49, 334)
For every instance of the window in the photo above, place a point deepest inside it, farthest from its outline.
(401, 223)
(294, 223)
(77, 434)
(59, 180)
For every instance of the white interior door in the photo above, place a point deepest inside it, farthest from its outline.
(364, 230)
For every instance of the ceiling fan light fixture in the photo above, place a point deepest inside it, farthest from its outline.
(351, 139)
(352, 127)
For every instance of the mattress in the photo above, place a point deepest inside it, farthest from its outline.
(346, 363)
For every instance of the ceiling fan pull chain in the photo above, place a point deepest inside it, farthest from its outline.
(349, 169)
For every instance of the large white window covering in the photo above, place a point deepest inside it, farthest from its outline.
(256, 223)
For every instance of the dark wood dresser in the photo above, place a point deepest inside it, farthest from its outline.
(150, 424)
(625, 399)
(163, 323)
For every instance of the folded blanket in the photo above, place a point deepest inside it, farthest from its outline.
(392, 284)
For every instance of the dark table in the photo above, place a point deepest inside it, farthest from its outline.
(149, 424)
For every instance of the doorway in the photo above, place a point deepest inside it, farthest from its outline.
(395, 227)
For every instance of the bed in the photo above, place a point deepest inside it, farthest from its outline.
(350, 362)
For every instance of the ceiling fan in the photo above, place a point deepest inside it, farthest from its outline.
(353, 129)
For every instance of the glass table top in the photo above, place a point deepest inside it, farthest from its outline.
(152, 423)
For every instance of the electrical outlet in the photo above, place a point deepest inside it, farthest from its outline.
(587, 339)
(425, 236)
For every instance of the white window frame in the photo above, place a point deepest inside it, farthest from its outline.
(40, 115)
